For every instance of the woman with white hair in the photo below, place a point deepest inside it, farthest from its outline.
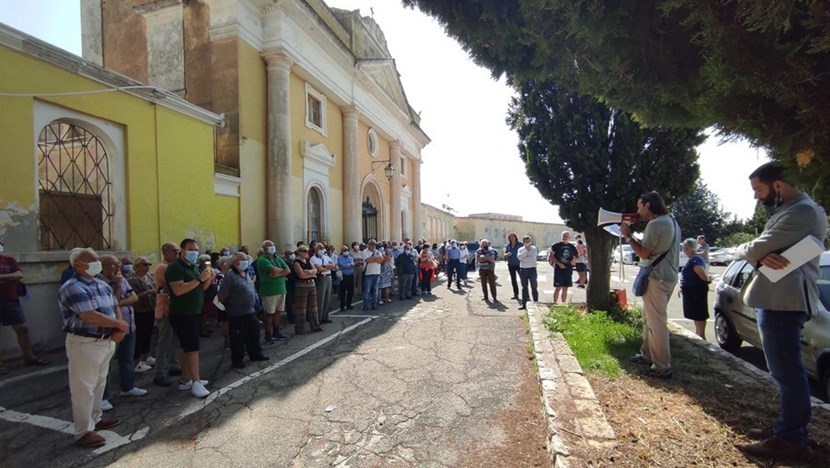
(694, 286)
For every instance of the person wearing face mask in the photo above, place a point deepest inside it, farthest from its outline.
(357, 256)
(781, 308)
(324, 266)
(511, 250)
(462, 262)
(527, 270)
(372, 259)
(93, 326)
(452, 259)
(305, 296)
(142, 283)
(238, 295)
(126, 267)
(272, 271)
(11, 313)
(290, 284)
(406, 267)
(186, 285)
(125, 298)
(345, 263)
(486, 259)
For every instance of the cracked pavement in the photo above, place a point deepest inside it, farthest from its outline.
(441, 381)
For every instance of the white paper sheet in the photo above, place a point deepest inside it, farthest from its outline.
(805, 250)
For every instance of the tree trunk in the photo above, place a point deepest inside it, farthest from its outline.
(600, 244)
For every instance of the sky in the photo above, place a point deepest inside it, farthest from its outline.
(463, 110)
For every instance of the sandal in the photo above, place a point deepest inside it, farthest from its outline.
(3, 369)
(36, 362)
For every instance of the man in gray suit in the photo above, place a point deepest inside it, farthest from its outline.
(784, 306)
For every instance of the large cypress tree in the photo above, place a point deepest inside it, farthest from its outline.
(755, 68)
(582, 155)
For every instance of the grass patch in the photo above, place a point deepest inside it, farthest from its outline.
(600, 340)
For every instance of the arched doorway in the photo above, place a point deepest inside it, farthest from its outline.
(370, 221)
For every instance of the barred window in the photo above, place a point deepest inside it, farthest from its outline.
(314, 215)
(74, 189)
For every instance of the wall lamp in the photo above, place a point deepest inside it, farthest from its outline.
(388, 169)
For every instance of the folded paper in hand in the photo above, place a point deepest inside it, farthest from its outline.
(805, 250)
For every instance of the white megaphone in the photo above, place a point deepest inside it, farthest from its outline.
(605, 217)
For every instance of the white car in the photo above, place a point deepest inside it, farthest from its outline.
(627, 254)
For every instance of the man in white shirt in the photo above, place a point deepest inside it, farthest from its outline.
(324, 266)
(372, 258)
(527, 270)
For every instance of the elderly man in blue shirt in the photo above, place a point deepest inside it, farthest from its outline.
(527, 270)
(452, 257)
(93, 325)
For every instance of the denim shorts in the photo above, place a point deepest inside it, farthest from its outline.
(11, 313)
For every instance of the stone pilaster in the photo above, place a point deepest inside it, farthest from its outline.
(165, 44)
(92, 34)
(280, 200)
(395, 190)
(417, 228)
(352, 214)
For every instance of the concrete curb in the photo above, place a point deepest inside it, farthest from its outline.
(564, 385)
(752, 370)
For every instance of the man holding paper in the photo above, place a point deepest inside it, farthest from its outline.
(783, 304)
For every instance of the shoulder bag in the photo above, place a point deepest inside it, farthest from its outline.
(641, 281)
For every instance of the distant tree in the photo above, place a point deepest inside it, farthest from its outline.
(582, 155)
(736, 238)
(700, 212)
(760, 69)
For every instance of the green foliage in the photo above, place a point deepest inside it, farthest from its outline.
(736, 238)
(760, 69)
(700, 212)
(582, 155)
(599, 340)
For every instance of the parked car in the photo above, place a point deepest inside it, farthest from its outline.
(627, 254)
(719, 256)
(735, 322)
(542, 256)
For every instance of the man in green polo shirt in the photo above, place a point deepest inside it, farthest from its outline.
(271, 270)
(186, 287)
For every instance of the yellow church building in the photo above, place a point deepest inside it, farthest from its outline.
(320, 142)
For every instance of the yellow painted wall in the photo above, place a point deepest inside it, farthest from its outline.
(253, 117)
(168, 160)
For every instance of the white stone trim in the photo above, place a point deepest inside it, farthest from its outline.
(112, 137)
(316, 184)
(317, 158)
(226, 185)
(372, 142)
(310, 91)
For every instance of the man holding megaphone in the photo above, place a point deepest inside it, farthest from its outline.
(659, 253)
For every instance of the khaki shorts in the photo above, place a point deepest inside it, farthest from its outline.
(273, 304)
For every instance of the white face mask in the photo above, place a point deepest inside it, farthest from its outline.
(527, 244)
(94, 268)
(320, 252)
(271, 250)
(244, 264)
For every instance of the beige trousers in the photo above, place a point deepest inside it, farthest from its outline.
(89, 363)
(655, 324)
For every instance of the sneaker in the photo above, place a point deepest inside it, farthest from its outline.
(90, 440)
(142, 367)
(106, 405)
(135, 391)
(198, 390)
(189, 384)
(150, 361)
(269, 340)
(666, 374)
(106, 423)
(774, 447)
(162, 381)
(365, 309)
(279, 337)
(640, 359)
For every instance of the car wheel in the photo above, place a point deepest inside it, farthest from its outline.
(725, 333)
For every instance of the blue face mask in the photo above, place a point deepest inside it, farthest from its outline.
(126, 269)
(192, 256)
(271, 250)
(244, 264)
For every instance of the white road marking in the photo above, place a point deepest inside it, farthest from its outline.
(113, 440)
(202, 404)
(47, 371)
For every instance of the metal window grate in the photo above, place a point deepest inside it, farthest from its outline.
(74, 188)
(314, 210)
(370, 221)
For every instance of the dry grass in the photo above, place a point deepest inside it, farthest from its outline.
(694, 419)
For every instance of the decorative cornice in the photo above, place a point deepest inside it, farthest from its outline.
(226, 185)
(157, 7)
(318, 153)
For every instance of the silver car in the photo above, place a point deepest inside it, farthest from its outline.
(735, 322)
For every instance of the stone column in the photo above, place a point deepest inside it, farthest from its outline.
(417, 229)
(352, 208)
(280, 200)
(395, 190)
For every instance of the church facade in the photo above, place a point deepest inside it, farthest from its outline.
(319, 142)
